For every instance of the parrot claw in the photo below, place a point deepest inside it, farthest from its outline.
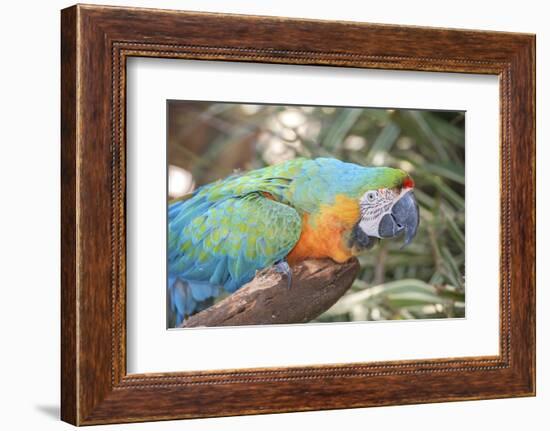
(283, 267)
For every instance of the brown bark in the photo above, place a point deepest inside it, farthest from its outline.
(267, 299)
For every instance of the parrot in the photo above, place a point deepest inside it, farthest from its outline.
(221, 234)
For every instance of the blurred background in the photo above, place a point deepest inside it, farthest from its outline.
(208, 141)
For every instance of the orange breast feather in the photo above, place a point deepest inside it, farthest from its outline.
(324, 233)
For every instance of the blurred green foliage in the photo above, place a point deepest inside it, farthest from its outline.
(424, 280)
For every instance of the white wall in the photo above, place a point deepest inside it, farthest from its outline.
(29, 227)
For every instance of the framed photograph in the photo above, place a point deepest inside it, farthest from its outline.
(263, 215)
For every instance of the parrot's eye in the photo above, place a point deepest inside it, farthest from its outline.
(371, 196)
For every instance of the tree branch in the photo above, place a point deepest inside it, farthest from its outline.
(267, 299)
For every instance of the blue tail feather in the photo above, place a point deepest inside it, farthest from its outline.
(187, 297)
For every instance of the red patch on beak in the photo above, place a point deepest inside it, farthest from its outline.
(408, 183)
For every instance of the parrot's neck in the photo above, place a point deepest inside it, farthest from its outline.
(325, 234)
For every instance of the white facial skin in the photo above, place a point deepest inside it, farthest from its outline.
(374, 205)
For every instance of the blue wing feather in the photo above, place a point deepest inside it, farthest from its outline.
(218, 245)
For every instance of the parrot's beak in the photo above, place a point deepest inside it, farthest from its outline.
(403, 217)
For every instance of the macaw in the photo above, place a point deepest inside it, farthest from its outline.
(220, 235)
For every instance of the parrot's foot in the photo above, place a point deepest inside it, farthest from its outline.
(283, 267)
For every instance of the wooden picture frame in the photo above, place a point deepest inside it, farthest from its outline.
(96, 41)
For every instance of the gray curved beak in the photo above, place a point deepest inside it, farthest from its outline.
(403, 217)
